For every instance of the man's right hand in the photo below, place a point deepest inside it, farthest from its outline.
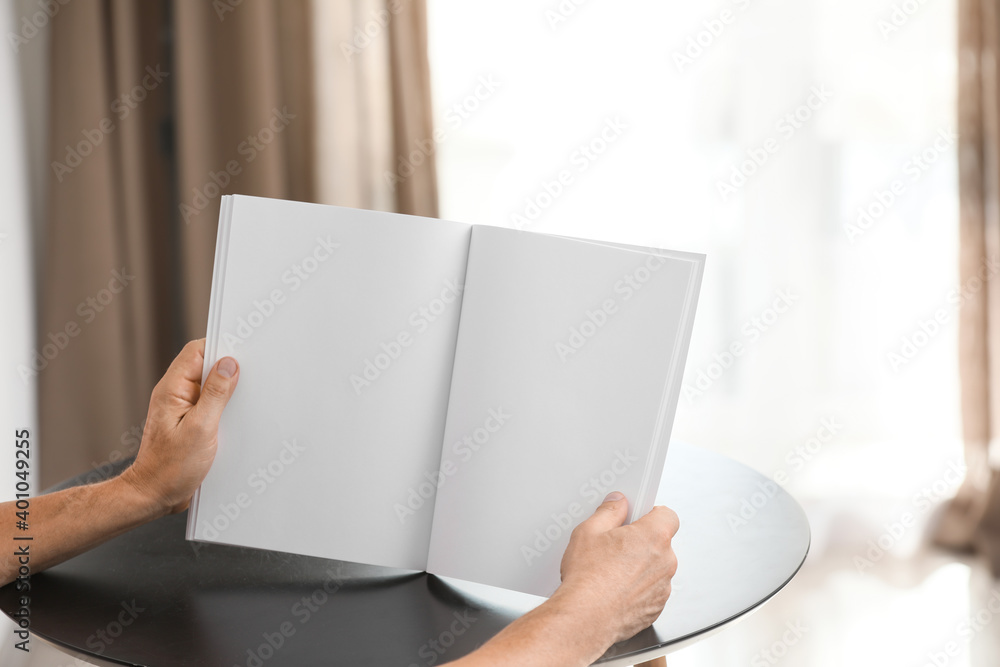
(621, 572)
(615, 581)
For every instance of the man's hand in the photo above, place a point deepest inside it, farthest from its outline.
(622, 572)
(178, 447)
(615, 581)
(182, 428)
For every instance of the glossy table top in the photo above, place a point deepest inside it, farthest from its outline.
(151, 598)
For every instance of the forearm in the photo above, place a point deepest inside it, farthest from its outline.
(563, 631)
(69, 522)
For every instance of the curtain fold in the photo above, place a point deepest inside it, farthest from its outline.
(412, 119)
(376, 146)
(972, 520)
(159, 107)
(99, 324)
(354, 97)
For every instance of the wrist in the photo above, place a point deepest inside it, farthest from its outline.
(593, 623)
(137, 495)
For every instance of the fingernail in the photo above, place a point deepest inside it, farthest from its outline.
(227, 367)
(613, 496)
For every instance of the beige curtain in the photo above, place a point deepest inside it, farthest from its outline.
(411, 112)
(158, 108)
(103, 325)
(972, 520)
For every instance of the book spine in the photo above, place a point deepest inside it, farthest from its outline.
(212, 333)
(653, 469)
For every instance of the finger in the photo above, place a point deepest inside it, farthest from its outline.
(183, 377)
(215, 395)
(611, 513)
(662, 520)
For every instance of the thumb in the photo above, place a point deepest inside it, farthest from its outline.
(216, 392)
(611, 513)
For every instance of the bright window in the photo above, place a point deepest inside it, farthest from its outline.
(820, 107)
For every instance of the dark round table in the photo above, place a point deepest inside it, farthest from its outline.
(151, 598)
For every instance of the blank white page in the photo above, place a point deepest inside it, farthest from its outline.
(324, 464)
(566, 379)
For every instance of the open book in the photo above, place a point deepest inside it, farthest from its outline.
(436, 396)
